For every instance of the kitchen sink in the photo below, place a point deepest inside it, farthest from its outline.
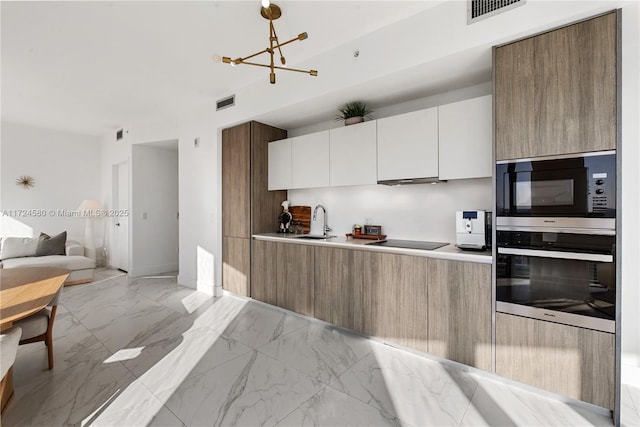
(314, 237)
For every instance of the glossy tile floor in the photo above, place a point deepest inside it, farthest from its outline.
(150, 352)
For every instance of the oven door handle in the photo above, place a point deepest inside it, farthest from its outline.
(557, 254)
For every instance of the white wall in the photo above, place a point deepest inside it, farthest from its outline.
(154, 210)
(630, 152)
(412, 212)
(65, 167)
(197, 186)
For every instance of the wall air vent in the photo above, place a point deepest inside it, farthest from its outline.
(227, 102)
(481, 9)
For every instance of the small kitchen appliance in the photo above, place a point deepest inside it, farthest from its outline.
(473, 230)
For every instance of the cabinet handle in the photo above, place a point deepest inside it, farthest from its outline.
(557, 254)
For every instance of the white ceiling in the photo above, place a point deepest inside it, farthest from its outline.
(94, 66)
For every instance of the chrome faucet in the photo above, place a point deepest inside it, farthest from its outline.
(325, 228)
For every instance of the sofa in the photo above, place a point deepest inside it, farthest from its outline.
(26, 252)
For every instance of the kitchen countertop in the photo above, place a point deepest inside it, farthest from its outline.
(450, 252)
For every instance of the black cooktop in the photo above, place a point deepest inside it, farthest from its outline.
(410, 244)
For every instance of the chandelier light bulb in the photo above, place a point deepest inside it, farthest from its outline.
(266, 4)
(217, 58)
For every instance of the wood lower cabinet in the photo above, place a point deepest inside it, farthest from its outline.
(392, 303)
(236, 265)
(571, 361)
(338, 282)
(263, 271)
(555, 93)
(459, 307)
(294, 277)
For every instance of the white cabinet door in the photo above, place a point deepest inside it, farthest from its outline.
(352, 155)
(310, 160)
(280, 165)
(408, 145)
(466, 139)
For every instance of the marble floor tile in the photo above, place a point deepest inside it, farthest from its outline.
(133, 405)
(415, 389)
(329, 407)
(255, 325)
(496, 403)
(630, 411)
(251, 390)
(67, 395)
(120, 325)
(164, 362)
(318, 350)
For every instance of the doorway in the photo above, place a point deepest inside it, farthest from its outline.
(154, 208)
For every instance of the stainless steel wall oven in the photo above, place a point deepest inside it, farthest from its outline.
(555, 239)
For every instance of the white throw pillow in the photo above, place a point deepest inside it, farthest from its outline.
(16, 247)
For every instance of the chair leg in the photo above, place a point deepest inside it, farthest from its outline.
(49, 343)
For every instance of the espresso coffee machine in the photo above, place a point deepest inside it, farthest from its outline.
(473, 230)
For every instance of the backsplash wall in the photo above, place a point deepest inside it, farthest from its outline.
(412, 212)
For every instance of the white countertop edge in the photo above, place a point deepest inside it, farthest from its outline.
(449, 252)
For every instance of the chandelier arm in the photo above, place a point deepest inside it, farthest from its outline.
(255, 54)
(273, 28)
(272, 35)
(312, 72)
(286, 43)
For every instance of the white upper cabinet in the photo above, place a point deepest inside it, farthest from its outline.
(310, 160)
(466, 139)
(408, 145)
(353, 155)
(280, 165)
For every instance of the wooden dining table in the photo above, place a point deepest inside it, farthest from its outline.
(23, 292)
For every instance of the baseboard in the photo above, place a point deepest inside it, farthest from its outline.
(152, 269)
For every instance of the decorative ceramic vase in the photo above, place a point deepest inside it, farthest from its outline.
(353, 120)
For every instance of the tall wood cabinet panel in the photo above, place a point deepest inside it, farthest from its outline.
(295, 276)
(459, 301)
(236, 265)
(555, 93)
(263, 271)
(338, 282)
(247, 205)
(571, 361)
(236, 181)
(392, 303)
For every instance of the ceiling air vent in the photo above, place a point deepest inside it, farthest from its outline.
(227, 102)
(481, 9)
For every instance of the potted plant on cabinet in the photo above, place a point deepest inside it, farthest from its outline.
(353, 112)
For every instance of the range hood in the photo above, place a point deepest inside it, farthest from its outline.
(407, 181)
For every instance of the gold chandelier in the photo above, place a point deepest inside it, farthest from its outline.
(271, 12)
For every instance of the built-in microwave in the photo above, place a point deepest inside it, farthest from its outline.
(569, 191)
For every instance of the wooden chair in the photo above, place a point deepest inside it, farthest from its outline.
(39, 326)
(8, 348)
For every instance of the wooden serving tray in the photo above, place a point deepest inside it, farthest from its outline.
(367, 236)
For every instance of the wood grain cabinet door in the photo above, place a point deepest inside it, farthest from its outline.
(236, 265)
(571, 361)
(295, 275)
(555, 93)
(392, 303)
(338, 281)
(236, 181)
(459, 295)
(263, 271)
